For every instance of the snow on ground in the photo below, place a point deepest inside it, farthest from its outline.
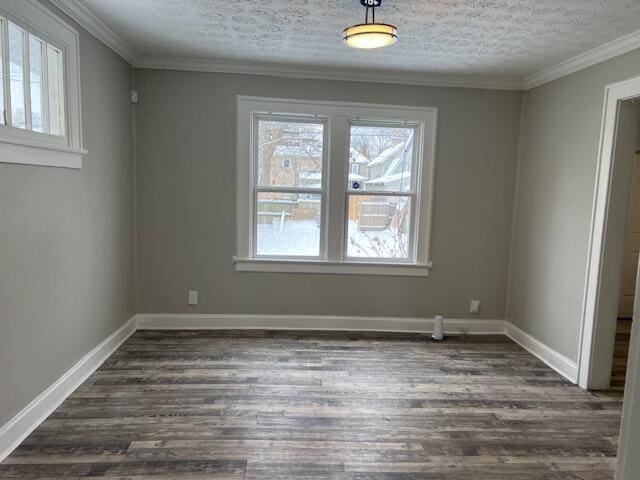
(297, 238)
(302, 238)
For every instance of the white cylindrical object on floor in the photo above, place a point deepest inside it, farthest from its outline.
(438, 328)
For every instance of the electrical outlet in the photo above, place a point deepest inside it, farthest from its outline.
(193, 297)
(475, 306)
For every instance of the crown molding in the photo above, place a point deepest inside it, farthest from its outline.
(333, 73)
(87, 20)
(584, 60)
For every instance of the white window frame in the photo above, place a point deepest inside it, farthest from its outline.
(23, 146)
(322, 191)
(338, 117)
(416, 163)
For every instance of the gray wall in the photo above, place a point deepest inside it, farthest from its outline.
(554, 197)
(186, 201)
(66, 242)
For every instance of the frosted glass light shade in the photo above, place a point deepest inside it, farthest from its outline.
(370, 35)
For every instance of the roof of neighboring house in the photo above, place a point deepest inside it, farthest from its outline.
(353, 177)
(386, 154)
(392, 151)
(356, 157)
(398, 163)
(294, 151)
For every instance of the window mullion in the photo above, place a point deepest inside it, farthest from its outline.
(45, 88)
(337, 185)
(26, 75)
(6, 73)
(416, 176)
(253, 204)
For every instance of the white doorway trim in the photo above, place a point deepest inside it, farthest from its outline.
(614, 94)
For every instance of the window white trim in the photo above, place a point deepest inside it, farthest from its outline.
(322, 266)
(34, 148)
(338, 115)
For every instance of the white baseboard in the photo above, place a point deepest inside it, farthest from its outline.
(314, 322)
(561, 364)
(20, 426)
(28, 419)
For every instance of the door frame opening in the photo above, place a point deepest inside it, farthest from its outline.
(591, 350)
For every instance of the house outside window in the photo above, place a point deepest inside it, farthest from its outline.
(334, 187)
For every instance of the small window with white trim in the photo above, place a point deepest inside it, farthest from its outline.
(39, 87)
(334, 187)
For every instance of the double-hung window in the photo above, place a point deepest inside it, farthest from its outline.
(334, 187)
(39, 87)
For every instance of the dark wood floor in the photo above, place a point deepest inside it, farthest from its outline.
(621, 354)
(269, 405)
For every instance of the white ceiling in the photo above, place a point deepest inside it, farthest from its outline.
(499, 39)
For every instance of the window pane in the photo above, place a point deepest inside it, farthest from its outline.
(16, 72)
(290, 154)
(384, 156)
(35, 76)
(379, 226)
(288, 224)
(56, 91)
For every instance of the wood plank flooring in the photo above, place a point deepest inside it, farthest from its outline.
(320, 405)
(620, 355)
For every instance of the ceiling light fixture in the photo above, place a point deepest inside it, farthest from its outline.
(370, 35)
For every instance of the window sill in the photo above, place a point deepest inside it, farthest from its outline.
(343, 268)
(37, 152)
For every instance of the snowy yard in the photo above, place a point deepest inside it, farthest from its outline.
(302, 238)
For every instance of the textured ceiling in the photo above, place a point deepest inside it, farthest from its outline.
(480, 37)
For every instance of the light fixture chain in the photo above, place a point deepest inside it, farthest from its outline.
(373, 14)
